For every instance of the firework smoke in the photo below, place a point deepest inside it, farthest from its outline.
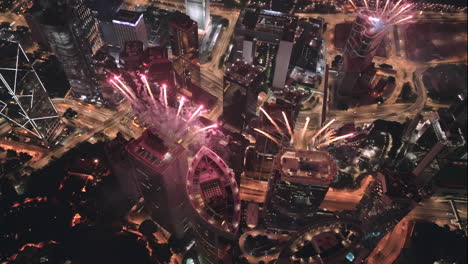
(155, 112)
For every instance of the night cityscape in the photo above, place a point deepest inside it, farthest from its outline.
(233, 131)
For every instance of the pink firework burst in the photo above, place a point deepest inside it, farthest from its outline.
(386, 13)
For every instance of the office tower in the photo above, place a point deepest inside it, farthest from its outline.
(358, 53)
(448, 136)
(284, 55)
(104, 11)
(267, 39)
(214, 194)
(184, 36)
(198, 10)
(159, 168)
(368, 31)
(128, 26)
(242, 83)
(73, 36)
(23, 98)
(308, 48)
(300, 180)
(387, 200)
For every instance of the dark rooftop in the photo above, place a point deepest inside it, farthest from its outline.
(181, 21)
(106, 9)
(243, 73)
(127, 16)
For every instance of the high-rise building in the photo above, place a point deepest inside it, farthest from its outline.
(184, 36)
(446, 131)
(23, 98)
(37, 34)
(367, 33)
(387, 200)
(284, 55)
(73, 36)
(199, 10)
(159, 167)
(267, 39)
(214, 194)
(160, 69)
(242, 83)
(131, 55)
(361, 46)
(105, 11)
(129, 26)
(300, 180)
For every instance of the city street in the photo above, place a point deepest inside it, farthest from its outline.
(93, 121)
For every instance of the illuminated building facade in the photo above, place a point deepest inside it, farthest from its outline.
(73, 36)
(300, 180)
(184, 36)
(159, 168)
(199, 11)
(105, 11)
(129, 26)
(214, 194)
(23, 98)
(363, 41)
(369, 29)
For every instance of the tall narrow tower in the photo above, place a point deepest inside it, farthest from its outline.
(199, 11)
(368, 31)
(73, 36)
(214, 194)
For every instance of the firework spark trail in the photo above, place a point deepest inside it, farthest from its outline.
(291, 134)
(335, 139)
(126, 88)
(206, 128)
(351, 1)
(272, 121)
(181, 104)
(399, 12)
(395, 6)
(385, 7)
(268, 136)
(404, 19)
(323, 128)
(150, 93)
(325, 137)
(121, 90)
(365, 3)
(156, 113)
(195, 113)
(377, 5)
(164, 90)
(304, 129)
